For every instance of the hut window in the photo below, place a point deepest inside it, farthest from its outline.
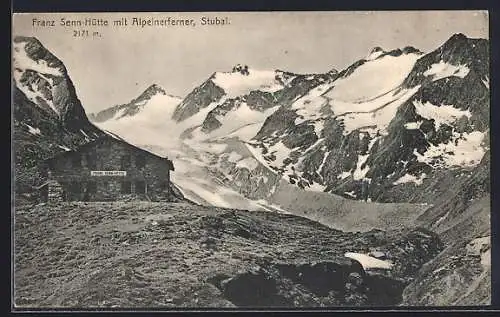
(76, 160)
(140, 161)
(126, 162)
(91, 187)
(140, 187)
(126, 187)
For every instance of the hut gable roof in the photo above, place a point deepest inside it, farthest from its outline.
(112, 138)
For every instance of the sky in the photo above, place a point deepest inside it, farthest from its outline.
(122, 61)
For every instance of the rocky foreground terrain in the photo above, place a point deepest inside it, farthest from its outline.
(140, 254)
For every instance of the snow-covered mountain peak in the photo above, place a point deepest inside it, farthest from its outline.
(43, 79)
(154, 101)
(338, 135)
(242, 80)
(150, 92)
(48, 117)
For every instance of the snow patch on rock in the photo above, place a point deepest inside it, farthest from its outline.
(413, 125)
(365, 82)
(377, 120)
(443, 114)
(481, 247)
(464, 150)
(442, 70)
(64, 148)
(362, 168)
(34, 131)
(344, 175)
(369, 262)
(237, 84)
(408, 178)
(234, 157)
(22, 63)
(486, 82)
(281, 152)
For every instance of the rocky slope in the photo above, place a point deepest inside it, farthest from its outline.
(461, 273)
(133, 255)
(47, 116)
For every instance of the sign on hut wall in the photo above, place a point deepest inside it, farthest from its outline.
(108, 173)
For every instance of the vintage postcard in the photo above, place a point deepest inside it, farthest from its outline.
(251, 160)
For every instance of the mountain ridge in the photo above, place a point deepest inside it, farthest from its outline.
(133, 107)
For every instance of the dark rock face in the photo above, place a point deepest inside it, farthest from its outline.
(211, 123)
(198, 99)
(36, 51)
(301, 84)
(323, 277)
(278, 121)
(260, 100)
(460, 274)
(253, 289)
(56, 89)
(457, 199)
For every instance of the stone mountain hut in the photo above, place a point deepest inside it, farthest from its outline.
(107, 169)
